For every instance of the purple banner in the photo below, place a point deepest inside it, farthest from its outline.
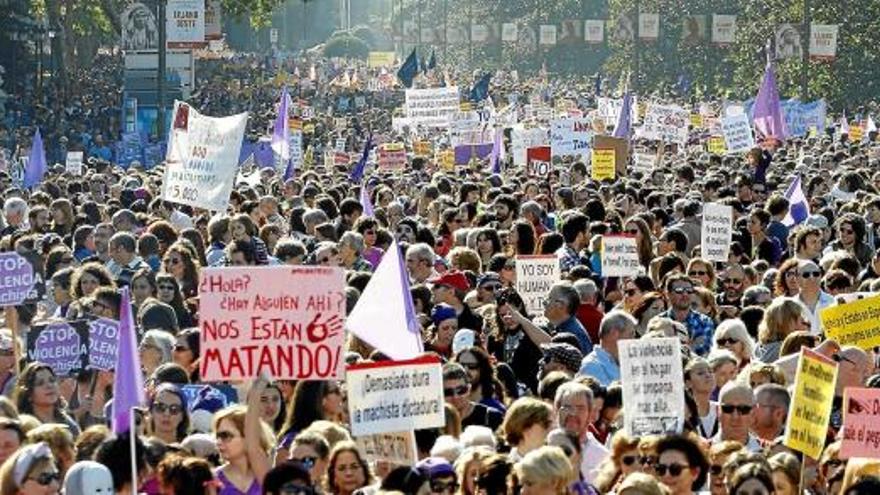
(16, 279)
(60, 345)
(103, 344)
(464, 152)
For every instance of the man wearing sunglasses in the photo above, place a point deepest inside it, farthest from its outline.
(680, 293)
(736, 406)
(456, 391)
(811, 294)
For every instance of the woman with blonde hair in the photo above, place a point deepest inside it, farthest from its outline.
(30, 471)
(467, 466)
(347, 470)
(702, 273)
(783, 316)
(525, 426)
(243, 441)
(704, 302)
(858, 468)
(641, 484)
(59, 440)
(545, 470)
(733, 336)
(623, 461)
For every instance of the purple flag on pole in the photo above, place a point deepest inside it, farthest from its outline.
(281, 136)
(36, 167)
(128, 383)
(365, 201)
(767, 113)
(358, 173)
(623, 128)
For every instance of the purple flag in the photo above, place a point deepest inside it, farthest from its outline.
(623, 128)
(36, 167)
(767, 114)
(358, 172)
(365, 201)
(128, 384)
(281, 136)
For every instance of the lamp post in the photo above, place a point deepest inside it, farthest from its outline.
(160, 90)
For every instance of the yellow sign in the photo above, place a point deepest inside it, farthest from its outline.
(447, 160)
(295, 124)
(716, 145)
(856, 323)
(856, 133)
(309, 128)
(810, 409)
(380, 59)
(696, 120)
(422, 148)
(812, 132)
(603, 165)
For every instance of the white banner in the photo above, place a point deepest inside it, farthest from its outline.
(609, 109)
(716, 232)
(788, 41)
(74, 162)
(522, 139)
(667, 123)
(723, 29)
(823, 41)
(395, 396)
(737, 132)
(509, 32)
(547, 35)
(534, 277)
(653, 386)
(649, 26)
(594, 31)
(213, 20)
(202, 158)
(432, 107)
(296, 149)
(185, 23)
(571, 137)
(394, 448)
(620, 256)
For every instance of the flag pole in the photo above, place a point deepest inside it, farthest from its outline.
(132, 435)
(12, 323)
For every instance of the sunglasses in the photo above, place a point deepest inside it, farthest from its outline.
(647, 460)
(630, 292)
(491, 287)
(839, 357)
(307, 462)
(633, 231)
(165, 287)
(673, 469)
(225, 436)
(697, 273)
(741, 409)
(811, 274)
(181, 348)
(172, 409)
(46, 479)
(726, 342)
(683, 290)
(629, 460)
(456, 391)
(715, 469)
(845, 231)
(732, 281)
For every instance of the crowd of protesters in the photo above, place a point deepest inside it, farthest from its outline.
(533, 400)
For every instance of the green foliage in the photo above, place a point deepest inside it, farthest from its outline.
(345, 45)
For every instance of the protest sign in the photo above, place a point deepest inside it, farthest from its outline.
(534, 277)
(644, 161)
(296, 147)
(431, 107)
(394, 448)
(602, 165)
(380, 59)
(103, 343)
(823, 41)
(861, 431)
(737, 130)
(653, 386)
(856, 133)
(221, 394)
(621, 151)
(609, 109)
(856, 323)
(202, 158)
(716, 232)
(392, 156)
(60, 345)
(284, 320)
(620, 256)
(522, 139)
(723, 29)
(422, 148)
(696, 120)
(16, 279)
(185, 23)
(74, 162)
(394, 396)
(570, 137)
(716, 146)
(538, 161)
(807, 425)
(447, 160)
(667, 123)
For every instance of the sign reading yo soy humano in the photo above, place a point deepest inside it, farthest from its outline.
(394, 396)
(202, 159)
(534, 277)
(16, 279)
(284, 320)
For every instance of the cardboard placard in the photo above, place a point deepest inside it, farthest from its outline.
(534, 277)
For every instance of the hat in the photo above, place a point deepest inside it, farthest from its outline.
(433, 467)
(817, 220)
(463, 339)
(566, 354)
(454, 279)
(487, 277)
(87, 478)
(443, 312)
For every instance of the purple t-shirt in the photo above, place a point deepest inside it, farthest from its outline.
(230, 489)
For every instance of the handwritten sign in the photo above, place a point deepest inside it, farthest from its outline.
(534, 277)
(811, 402)
(620, 256)
(603, 165)
(571, 137)
(737, 132)
(431, 107)
(861, 431)
(392, 156)
(668, 123)
(285, 320)
(394, 396)
(202, 158)
(716, 146)
(395, 448)
(855, 323)
(74, 162)
(653, 386)
(716, 232)
(16, 279)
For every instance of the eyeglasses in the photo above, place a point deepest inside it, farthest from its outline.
(629, 460)
(697, 273)
(715, 469)
(295, 489)
(172, 409)
(683, 290)
(456, 391)
(225, 436)
(674, 469)
(833, 463)
(307, 462)
(726, 341)
(441, 487)
(742, 409)
(46, 479)
(811, 274)
(840, 357)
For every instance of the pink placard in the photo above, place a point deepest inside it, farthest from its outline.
(284, 320)
(861, 430)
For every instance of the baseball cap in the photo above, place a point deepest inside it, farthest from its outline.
(435, 466)
(454, 279)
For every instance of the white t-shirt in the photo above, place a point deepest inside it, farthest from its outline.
(592, 455)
